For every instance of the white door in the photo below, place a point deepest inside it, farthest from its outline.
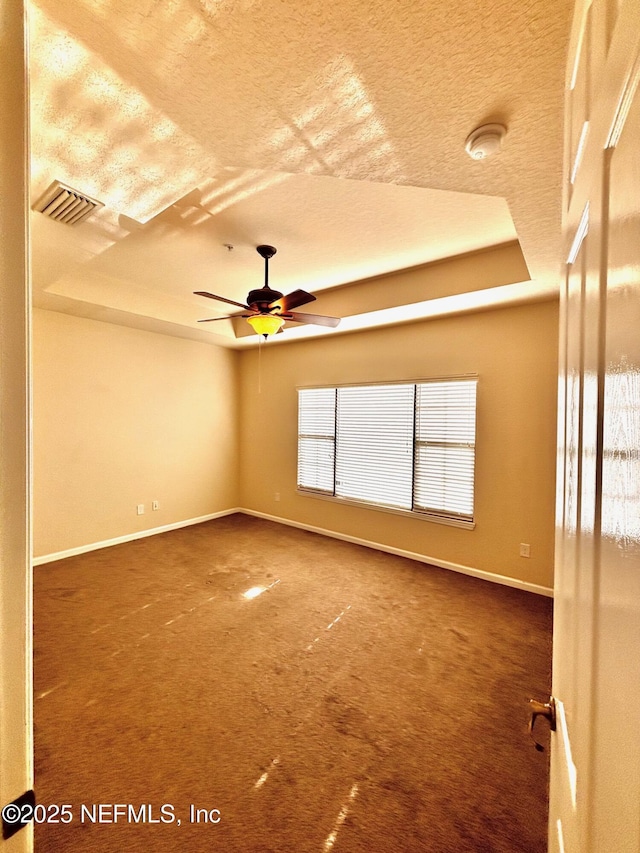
(595, 753)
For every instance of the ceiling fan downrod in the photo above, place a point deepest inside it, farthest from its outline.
(266, 252)
(262, 297)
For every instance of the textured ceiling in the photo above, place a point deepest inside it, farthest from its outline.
(334, 131)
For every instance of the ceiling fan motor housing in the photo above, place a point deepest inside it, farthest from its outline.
(262, 297)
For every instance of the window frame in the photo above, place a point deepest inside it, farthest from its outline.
(438, 517)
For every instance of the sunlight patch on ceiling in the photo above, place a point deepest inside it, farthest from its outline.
(176, 30)
(94, 132)
(340, 128)
(230, 188)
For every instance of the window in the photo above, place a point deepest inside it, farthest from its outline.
(316, 439)
(408, 447)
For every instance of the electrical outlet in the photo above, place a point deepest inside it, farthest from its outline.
(276, 496)
(155, 505)
(140, 509)
(525, 549)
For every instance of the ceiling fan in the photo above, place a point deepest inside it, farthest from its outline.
(266, 310)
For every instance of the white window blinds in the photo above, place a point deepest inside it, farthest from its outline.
(445, 447)
(405, 446)
(374, 444)
(316, 439)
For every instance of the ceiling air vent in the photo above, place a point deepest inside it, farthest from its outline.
(64, 204)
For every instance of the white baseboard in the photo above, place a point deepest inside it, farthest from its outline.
(399, 552)
(411, 555)
(130, 537)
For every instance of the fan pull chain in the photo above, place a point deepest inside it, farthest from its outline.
(260, 364)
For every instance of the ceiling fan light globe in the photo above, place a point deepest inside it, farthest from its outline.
(265, 324)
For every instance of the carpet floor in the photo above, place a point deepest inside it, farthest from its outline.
(360, 702)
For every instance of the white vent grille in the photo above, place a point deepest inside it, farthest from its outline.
(67, 205)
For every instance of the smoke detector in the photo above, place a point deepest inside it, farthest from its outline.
(485, 141)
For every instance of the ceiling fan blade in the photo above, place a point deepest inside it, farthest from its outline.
(227, 317)
(219, 298)
(292, 300)
(316, 319)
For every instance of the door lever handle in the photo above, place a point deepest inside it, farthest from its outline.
(542, 709)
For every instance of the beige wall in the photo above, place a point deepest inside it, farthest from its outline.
(123, 417)
(514, 351)
(16, 696)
